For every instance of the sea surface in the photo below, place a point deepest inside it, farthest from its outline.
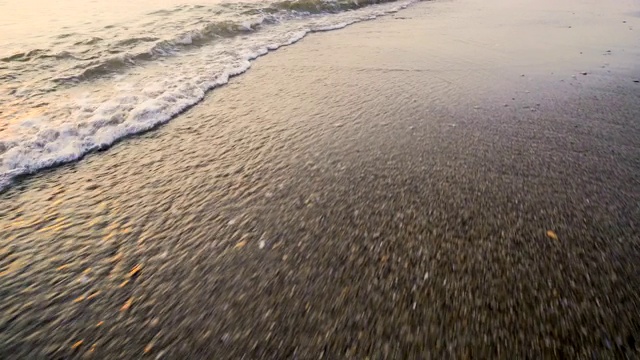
(77, 76)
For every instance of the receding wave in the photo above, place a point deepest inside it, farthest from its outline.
(91, 41)
(319, 6)
(136, 40)
(23, 56)
(160, 48)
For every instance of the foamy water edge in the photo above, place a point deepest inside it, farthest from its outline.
(53, 147)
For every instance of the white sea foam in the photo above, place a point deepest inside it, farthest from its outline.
(95, 115)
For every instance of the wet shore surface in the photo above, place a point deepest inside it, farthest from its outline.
(374, 198)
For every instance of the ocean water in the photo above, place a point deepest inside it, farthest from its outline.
(77, 76)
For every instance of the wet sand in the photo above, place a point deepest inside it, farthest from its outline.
(446, 183)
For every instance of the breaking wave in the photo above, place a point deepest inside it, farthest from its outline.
(77, 114)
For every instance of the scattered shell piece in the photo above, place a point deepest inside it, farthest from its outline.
(127, 305)
(552, 234)
(136, 269)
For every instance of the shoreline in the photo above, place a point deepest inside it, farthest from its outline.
(56, 143)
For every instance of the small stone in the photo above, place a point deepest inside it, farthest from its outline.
(584, 73)
(262, 244)
(241, 244)
(225, 338)
(77, 344)
(552, 234)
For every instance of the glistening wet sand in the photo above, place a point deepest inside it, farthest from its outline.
(390, 198)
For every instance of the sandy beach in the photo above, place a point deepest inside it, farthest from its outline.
(460, 179)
